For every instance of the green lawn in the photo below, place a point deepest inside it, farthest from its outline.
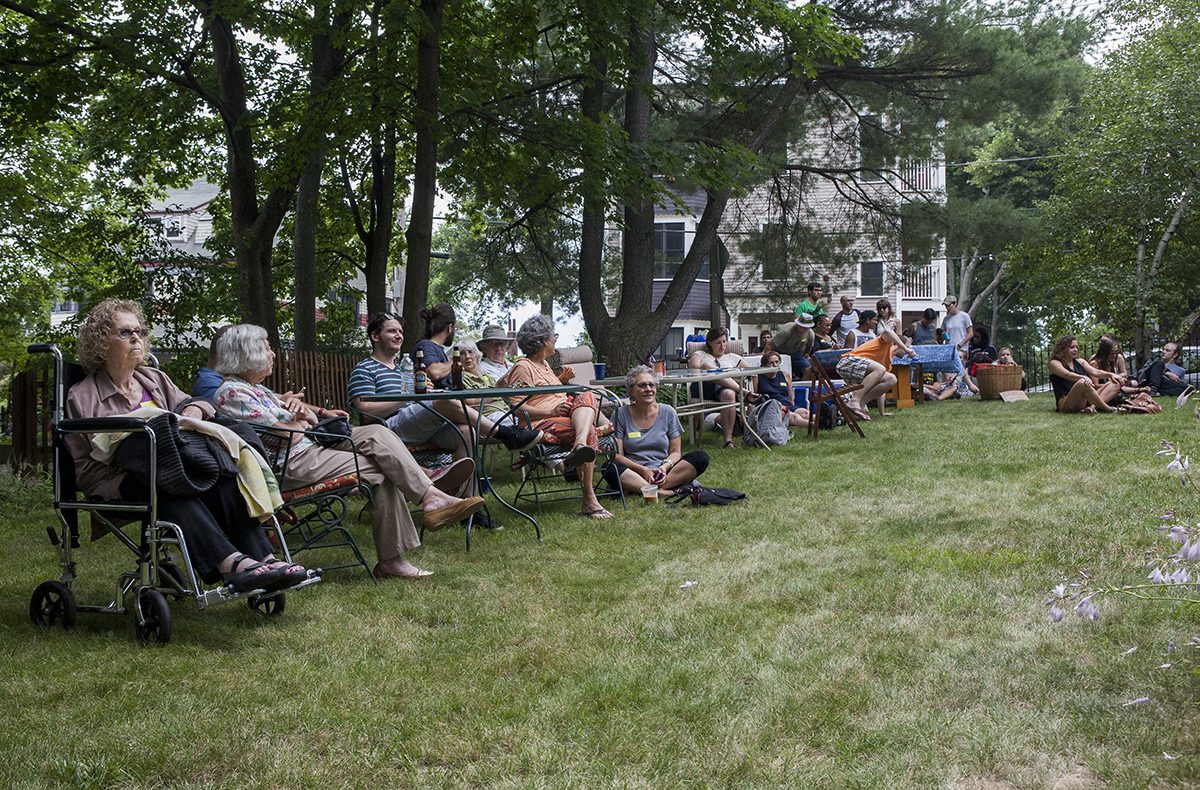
(872, 617)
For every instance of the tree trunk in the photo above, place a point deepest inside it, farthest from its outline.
(996, 317)
(548, 307)
(627, 338)
(420, 226)
(308, 192)
(307, 212)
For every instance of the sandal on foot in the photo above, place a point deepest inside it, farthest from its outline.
(251, 577)
(293, 574)
(420, 573)
(580, 455)
(599, 513)
(729, 445)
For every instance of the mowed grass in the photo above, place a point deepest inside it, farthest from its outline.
(871, 617)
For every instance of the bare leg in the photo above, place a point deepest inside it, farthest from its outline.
(591, 505)
(1081, 396)
(581, 423)
(726, 418)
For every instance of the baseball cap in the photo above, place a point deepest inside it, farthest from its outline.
(950, 300)
(867, 315)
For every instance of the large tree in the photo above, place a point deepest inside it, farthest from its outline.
(1125, 205)
(244, 76)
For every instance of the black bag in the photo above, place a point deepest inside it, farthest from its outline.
(699, 495)
(330, 432)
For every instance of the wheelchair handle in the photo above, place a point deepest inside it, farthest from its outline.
(102, 424)
(44, 348)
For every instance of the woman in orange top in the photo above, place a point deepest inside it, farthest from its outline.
(871, 364)
(567, 420)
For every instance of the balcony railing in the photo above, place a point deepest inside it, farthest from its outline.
(922, 176)
(925, 282)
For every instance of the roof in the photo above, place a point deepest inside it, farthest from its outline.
(194, 197)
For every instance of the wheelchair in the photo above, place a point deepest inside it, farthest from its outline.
(163, 568)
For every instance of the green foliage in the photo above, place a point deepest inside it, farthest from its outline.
(1121, 175)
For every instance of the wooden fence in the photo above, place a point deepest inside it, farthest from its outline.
(322, 374)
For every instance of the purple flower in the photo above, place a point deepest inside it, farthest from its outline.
(1056, 614)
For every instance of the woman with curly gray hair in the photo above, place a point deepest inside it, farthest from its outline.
(565, 419)
(223, 541)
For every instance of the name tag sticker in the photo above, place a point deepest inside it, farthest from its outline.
(634, 434)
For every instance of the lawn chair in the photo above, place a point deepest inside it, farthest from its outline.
(315, 514)
(543, 478)
(162, 566)
(822, 392)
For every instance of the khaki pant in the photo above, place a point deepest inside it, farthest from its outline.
(386, 464)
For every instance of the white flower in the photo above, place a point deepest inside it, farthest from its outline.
(1138, 701)
(1130, 651)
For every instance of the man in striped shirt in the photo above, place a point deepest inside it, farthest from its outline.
(447, 423)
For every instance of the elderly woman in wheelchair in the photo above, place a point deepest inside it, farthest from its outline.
(222, 540)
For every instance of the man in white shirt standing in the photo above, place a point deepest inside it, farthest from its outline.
(957, 326)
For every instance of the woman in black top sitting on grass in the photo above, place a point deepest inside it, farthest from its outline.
(778, 386)
(1071, 379)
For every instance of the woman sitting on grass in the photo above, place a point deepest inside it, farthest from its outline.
(778, 386)
(1074, 381)
(649, 443)
(1110, 360)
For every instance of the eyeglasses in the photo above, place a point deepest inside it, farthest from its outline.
(646, 385)
(127, 334)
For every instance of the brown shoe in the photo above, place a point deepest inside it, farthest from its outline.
(452, 514)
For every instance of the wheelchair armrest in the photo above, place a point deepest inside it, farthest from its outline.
(102, 425)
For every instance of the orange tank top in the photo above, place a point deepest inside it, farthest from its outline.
(878, 349)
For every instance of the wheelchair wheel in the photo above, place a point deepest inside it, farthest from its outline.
(52, 604)
(151, 617)
(271, 607)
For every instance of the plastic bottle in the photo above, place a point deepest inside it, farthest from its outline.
(406, 374)
(420, 376)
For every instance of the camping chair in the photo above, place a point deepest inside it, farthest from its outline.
(315, 514)
(822, 392)
(162, 567)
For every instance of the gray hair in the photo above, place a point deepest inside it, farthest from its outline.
(468, 345)
(533, 334)
(639, 370)
(241, 350)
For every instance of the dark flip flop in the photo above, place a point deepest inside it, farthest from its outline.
(580, 455)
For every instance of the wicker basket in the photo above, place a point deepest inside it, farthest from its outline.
(994, 379)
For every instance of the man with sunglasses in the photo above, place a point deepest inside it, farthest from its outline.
(413, 422)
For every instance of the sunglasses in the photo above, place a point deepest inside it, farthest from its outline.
(126, 334)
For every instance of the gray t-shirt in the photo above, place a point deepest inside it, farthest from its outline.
(647, 447)
(956, 326)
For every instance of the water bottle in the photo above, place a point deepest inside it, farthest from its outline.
(406, 374)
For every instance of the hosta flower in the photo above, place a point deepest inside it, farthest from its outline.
(1056, 614)
(1157, 577)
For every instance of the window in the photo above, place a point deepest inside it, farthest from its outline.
(668, 249)
(174, 228)
(872, 147)
(774, 251)
(670, 344)
(870, 278)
